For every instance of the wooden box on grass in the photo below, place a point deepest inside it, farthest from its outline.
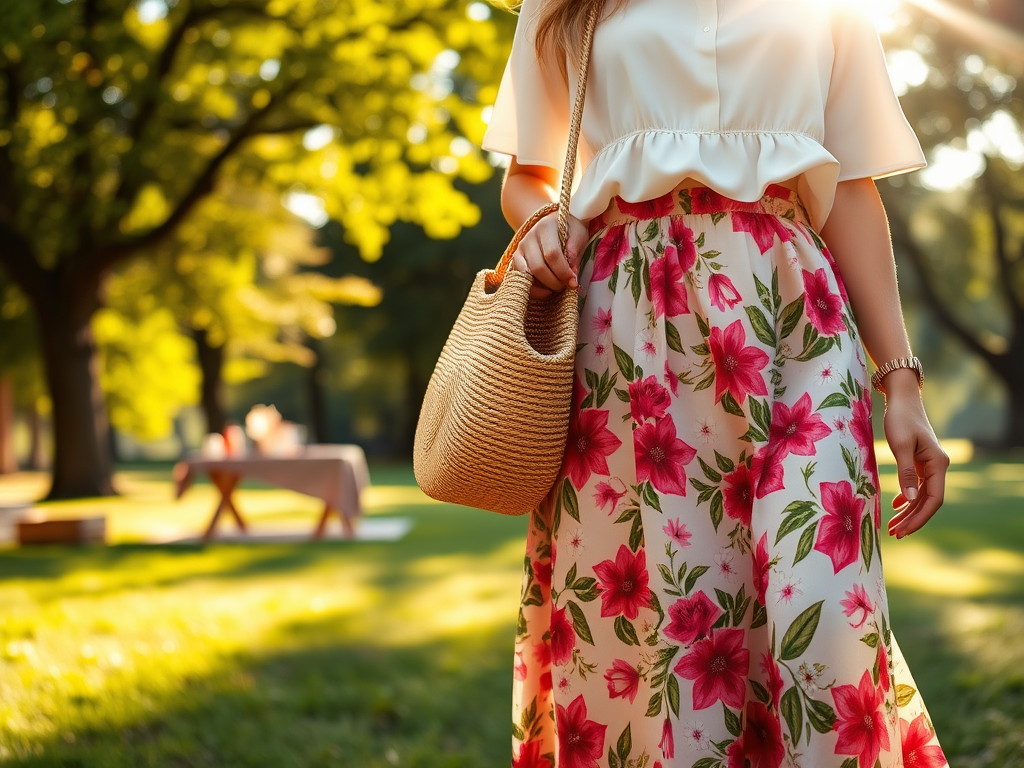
(84, 530)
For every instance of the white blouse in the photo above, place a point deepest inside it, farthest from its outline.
(737, 94)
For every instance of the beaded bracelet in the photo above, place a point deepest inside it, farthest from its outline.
(900, 362)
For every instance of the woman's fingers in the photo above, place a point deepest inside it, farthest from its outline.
(554, 259)
(931, 466)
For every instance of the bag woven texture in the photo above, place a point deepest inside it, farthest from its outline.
(493, 424)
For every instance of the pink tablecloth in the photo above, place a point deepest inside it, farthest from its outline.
(336, 474)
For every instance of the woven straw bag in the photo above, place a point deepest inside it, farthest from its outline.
(493, 424)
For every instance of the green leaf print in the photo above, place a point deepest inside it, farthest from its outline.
(904, 693)
(776, 296)
(613, 761)
(732, 722)
(624, 361)
(517, 733)
(819, 348)
(707, 762)
(724, 599)
(569, 500)
(763, 294)
(579, 623)
(724, 463)
(705, 328)
(701, 349)
(695, 573)
(764, 332)
(851, 463)
(870, 639)
(675, 343)
(685, 202)
(654, 705)
(591, 378)
(717, 216)
(791, 317)
(673, 694)
(800, 632)
(625, 631)
(717, 509)
(652, 231)
(625, 744)
(761, 692)
(867, 541)
(793, 712)
(806, 543)
(850, 762)
(730, 405)
(622, 394)
(613, 281)
(651, 496)
(709, 471)
(834, 400)
(794, 517)
(821, 716)
(759, 617)
(762, 414)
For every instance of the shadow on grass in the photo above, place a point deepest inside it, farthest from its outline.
(438, 705)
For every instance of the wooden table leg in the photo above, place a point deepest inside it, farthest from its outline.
(348, 530)
(226, 483)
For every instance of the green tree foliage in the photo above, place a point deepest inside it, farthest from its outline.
(119, 118)
(965, 241)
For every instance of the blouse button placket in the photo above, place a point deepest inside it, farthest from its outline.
(705, 46)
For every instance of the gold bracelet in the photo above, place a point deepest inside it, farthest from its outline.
(900, 362)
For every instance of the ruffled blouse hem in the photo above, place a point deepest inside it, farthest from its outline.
(739, 165)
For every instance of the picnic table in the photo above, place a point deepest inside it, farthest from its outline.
(336, 474)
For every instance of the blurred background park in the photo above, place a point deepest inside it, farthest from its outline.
(210, 204)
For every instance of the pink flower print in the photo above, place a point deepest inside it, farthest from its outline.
(763, 227)
(857, 600)
(691, 618)
(623, 584)
(603, 321)
(860, 426)
(722, 291)
(671, 380)
(796, 430)
(667, 745)
(918, 752)
(542, 572)
(519, 667)
(668, 287)
(766, 467)
(661, 457)
(718, 667)
(840, 425)
(647, 209)
(678, 533)
(580, 741)
(707, 200)
(860, 721)
(737, 366)
(542, 653)
(738, 494)
(623, 680)
(530, 756)
(612, 248)
(726, 567)
(563, 638)
(762, 737)
(883, 668)
(599, 349)
(835, 271)
(824, 309)
(589, 445)
(697, 736)
(773, 676)
(826, 372)
(647, 399)
(839, 528)
(737, 754)
(788, 588)
(762, 566)
(681, 245)
(606, 496)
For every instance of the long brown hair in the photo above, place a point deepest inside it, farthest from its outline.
(560, 28)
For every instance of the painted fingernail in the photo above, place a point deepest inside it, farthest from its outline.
(910, 493)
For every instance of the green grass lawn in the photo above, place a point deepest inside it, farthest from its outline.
(399, 654)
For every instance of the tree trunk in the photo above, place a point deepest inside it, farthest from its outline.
(37, 459)
(81, 462)
(8, 463)
(317, 405)
(211, 363)
(415, 389)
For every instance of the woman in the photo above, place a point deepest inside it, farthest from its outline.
(703, 584)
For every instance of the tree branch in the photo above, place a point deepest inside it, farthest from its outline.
(1007, 273)
(18, 260)
(102, 258)
(935, 303)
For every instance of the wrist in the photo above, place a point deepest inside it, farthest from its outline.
(901, 384)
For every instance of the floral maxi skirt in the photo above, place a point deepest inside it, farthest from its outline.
(703, 584)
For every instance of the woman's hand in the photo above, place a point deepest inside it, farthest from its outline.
(540, 254)
(920, 460)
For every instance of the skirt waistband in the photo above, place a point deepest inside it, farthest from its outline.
(691, 197)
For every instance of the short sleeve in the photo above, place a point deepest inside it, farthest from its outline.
(865, 128)
(530, 118)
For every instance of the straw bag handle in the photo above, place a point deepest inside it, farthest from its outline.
(562, 206)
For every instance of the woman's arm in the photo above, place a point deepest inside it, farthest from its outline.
(527, 188)
(857, 235)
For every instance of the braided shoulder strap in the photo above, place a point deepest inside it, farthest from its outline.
(562, 206)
